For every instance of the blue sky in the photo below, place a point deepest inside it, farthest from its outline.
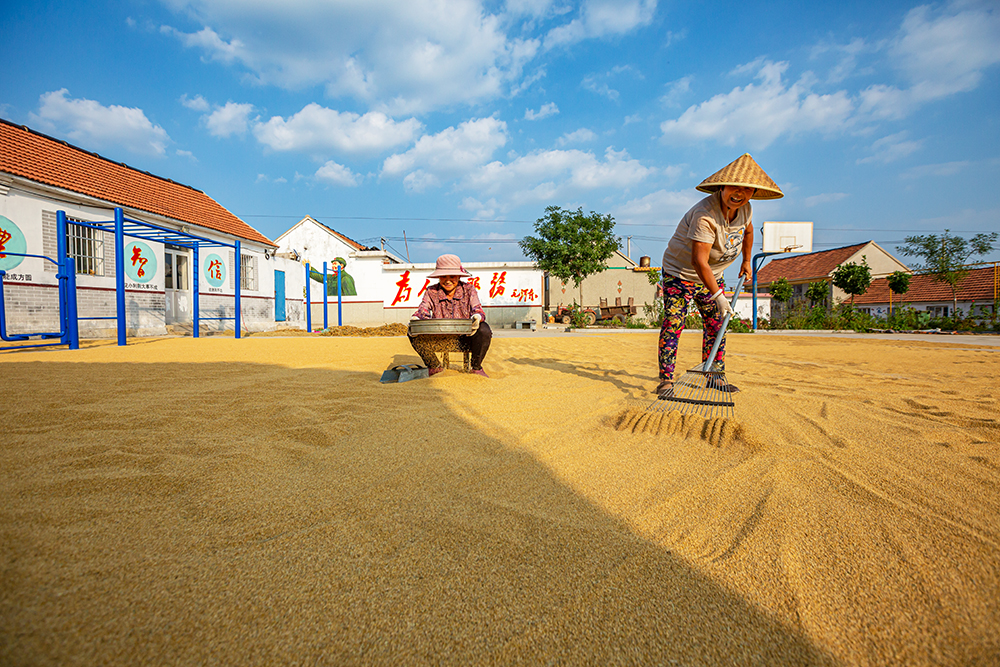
(459, 121)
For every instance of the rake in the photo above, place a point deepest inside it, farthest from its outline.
(703, 390)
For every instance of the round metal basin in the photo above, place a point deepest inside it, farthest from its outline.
(441, 327)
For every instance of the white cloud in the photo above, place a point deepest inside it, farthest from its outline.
(187, 154)
(536, 8)
(676, 90)
(318, 129)
(398, 57)
(758, 114)
(451, 152)
(825, 198)
(661, 207)
(580, 136)
(228, 120)
(94, 125)
(944, 52)
(337, 174)
(198, 103)
(602, 88)
(891, 148)
(847, 57)
(547, 110)
(602, 18)
(552, 175)
(482, 211)
(420, 180)
(940, 51)
(936, 170)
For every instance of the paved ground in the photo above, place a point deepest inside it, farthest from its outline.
(981, 340)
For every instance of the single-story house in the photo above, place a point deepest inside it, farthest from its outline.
(377, 287)
(40, 176)
(802, 270)
(622, 279)
(977, 295)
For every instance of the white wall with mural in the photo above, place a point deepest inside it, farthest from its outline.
(158, 283)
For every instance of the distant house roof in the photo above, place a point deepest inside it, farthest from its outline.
(40, 158)
(333, 232)
(978, 285)
(618, 257)
(809, 266)
(349, 241)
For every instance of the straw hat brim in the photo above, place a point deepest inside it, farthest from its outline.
(437, 273)
(744, 172)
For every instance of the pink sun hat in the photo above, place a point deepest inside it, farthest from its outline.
(449, 265)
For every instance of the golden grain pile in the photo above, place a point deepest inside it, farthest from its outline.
(267, 501)
(383, 330)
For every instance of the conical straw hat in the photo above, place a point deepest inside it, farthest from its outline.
(743, 171)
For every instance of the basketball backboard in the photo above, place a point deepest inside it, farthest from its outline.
(788, 236)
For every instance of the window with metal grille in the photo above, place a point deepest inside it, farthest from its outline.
(86, 246)
(248, 272)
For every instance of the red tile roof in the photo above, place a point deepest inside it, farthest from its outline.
(35, 156)
(810, 266)
(978, 285)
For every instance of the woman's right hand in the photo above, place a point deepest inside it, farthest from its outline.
(725, 308)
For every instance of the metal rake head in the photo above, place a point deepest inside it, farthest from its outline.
(700, 393)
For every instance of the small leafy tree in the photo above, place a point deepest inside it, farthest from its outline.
(853, 278)
(817, 292)
(781, 290)
(899, 283)
(571, 245)
(655, 311)
(945, 256)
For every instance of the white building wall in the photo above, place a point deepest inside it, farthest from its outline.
(31, 285)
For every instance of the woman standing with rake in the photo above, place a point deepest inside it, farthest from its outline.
(707, 241)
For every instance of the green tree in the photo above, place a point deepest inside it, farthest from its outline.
(781, 290)
(571, 245)
(817, 291)
(853, 278)
(899, 283)
(945, 256)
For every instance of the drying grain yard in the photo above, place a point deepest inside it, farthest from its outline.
(267, 501)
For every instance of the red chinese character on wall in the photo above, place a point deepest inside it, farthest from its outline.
(523, 295)
(214, 270)
(474, 281)
(4, 237)
(496, 285)
(427, 283)
(404, 286)
(137, 258)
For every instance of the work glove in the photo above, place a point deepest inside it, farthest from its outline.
(723, 303)
(476, 319)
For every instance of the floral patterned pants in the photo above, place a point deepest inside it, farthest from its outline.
(677, 294)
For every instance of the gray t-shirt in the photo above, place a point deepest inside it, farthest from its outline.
(706, 222)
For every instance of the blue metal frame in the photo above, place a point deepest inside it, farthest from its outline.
(326, 303)
(121, 227)
(148, 231)
(756, 265)
(69, 334)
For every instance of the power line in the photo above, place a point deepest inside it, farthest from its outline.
(617, 224)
